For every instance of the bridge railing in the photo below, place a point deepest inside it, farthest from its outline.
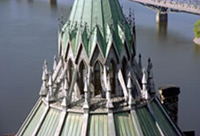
(184, 3)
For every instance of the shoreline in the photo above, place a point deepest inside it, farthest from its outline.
(196, 41)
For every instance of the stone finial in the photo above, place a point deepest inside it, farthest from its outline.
(150, 82)
(50, 83)
(66, 85)
(129, 12)
(109, 104)
(130, 87)
(58, 80)
(45, 66)
(65, 90)
(130, 17)
(44, 75)
(149, 69)
(144, 78)
(43, 90)
(144, 92)
(64, 102)
(150, 74)
(86, 104)
(149, 60)
(129, 83)
(54, 63)
(140, 61)
(50, 96)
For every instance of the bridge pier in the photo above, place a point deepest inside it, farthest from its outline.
(161, 17)
(53, 2)
(161, 29)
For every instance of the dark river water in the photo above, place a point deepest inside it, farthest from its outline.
(28, 35)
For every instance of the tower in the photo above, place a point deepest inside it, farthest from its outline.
(97, 87)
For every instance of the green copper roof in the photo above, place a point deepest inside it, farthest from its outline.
(98, 125)
(124, 125)
(35, 120)
(50, 123)
(151, 118)
(93, 22)
(162, 119)
(73, 125)
(147, 122)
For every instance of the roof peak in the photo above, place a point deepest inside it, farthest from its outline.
(94, 22)
(96, 12)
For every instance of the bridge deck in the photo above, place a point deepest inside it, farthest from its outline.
(173, 6)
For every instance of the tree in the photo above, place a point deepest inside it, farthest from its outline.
(197, 29)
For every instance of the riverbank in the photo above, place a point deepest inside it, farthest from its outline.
(196, 40)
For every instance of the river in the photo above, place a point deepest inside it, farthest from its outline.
(28, 35)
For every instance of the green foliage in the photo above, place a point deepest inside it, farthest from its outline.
(197, 29)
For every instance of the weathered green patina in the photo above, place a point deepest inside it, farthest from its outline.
(77, 108)
(51, 120)
(124, 125)
(147, 123)
(98, 125)
(162, 119)
(100, 23)
(34, 121)
(73, 125)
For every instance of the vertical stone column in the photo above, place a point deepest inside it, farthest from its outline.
(117, 87)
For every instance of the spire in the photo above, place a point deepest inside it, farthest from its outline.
(64, 102)
(140, 61)
(65, 86)
(45, 66)
(149, 69)
(54, 63)
(150, 82)
(109, 104)
(65, 91)
(50, 96)
(130, 87)
(50, 83)
(43, 90)
(130, 17)
(144, 78)
(44, 76)
(129, 83)
(144, 92)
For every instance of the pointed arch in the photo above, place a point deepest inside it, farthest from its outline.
(112, 76)
(81, 54)
(97, 78)
(70, 68)
(124, 69)
(83, 72)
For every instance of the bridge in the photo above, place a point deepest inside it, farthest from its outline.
(164, 6)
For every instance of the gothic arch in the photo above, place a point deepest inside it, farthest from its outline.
(124, 69)
(97, 78)
(70, 68)
(112, 75)
(82, 75)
